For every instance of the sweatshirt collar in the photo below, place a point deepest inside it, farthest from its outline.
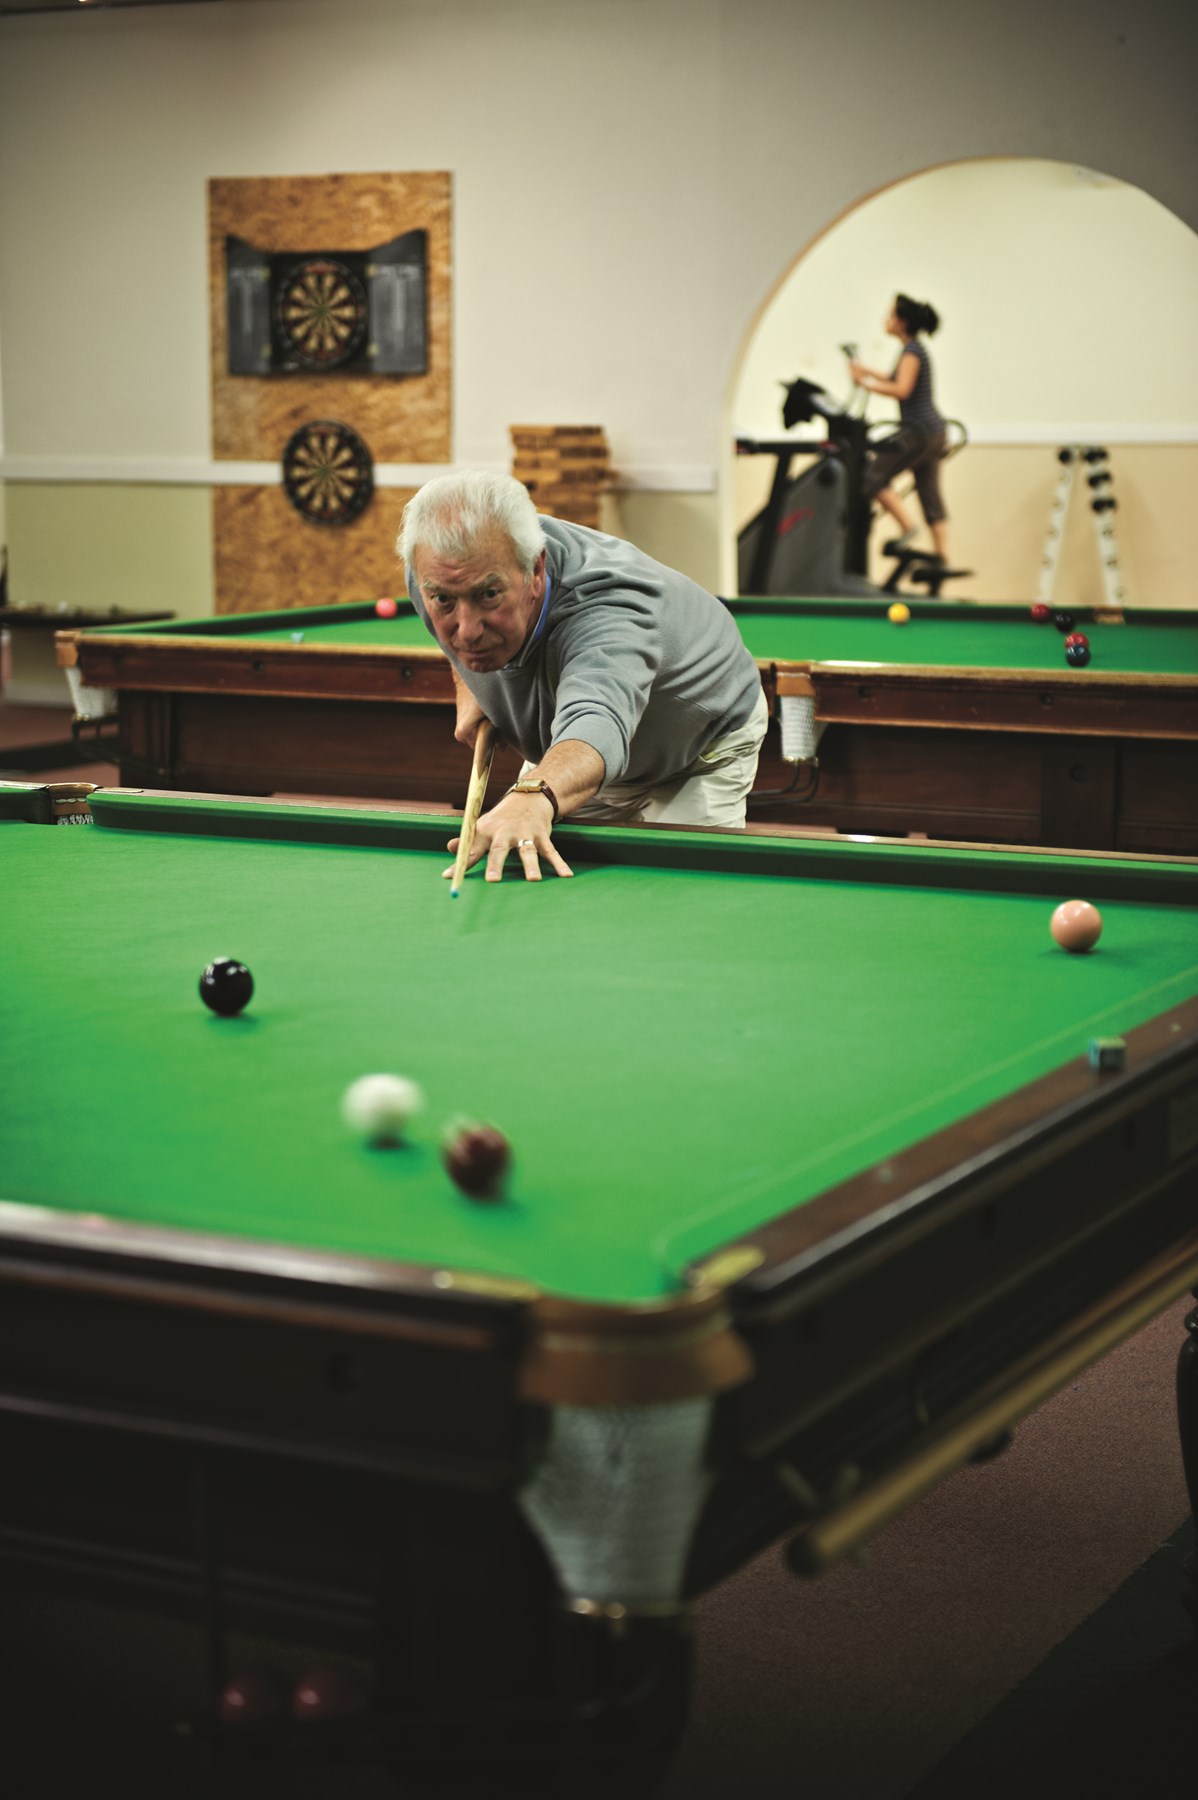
(534, 636)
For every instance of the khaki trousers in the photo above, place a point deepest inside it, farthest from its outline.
(712, 791)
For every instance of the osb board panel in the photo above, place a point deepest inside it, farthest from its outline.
(403, 418)
(267, 556)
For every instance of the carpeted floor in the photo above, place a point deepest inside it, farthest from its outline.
(1109, 1714)
(32, 742)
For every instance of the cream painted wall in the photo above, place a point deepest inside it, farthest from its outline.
(111, 125)
(1000, 498)
(681, 530)
(632, 179)
(105, 544)
(115, 544)
(1068, 304)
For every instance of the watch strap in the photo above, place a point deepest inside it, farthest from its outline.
(534, 785)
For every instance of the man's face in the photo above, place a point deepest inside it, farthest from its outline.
(481, 606)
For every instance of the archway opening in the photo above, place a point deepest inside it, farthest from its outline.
(1067, 299)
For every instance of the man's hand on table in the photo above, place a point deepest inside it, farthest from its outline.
(574, 772)
(520, 822)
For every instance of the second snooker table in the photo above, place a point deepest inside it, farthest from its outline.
(965, 723)
(817, 1191)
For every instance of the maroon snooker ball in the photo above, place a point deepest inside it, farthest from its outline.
(1041, 613)
(330, 1692)
(477, 1158)
(251, 1696)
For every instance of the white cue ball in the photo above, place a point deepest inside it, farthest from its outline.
(380, 1106)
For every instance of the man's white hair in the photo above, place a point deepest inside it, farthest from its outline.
(450, 513)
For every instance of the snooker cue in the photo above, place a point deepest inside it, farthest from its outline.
(484, 750)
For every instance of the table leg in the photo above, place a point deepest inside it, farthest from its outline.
(206, 1531)
(1187, 1418)
(482, 1672)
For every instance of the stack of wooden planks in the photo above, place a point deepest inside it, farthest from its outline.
(564, 467)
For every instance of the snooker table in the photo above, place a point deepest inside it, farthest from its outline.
(817, 1192)
(965, 723)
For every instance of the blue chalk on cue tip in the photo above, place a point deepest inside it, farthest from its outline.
(1108, 1053)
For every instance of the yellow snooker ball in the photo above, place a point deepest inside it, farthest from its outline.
(898, 614)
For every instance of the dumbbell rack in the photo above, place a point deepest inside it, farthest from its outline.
(1103, 505)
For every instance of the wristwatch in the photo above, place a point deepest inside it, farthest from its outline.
(532, 784)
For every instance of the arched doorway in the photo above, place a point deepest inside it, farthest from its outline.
(1067, 299)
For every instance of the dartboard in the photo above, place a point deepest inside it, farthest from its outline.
(321, 312)
(328, 473)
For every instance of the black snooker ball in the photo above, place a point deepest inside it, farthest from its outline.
(226, 986)
(1077, 655)
(1064, 621)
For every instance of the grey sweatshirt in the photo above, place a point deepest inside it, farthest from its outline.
(633, 658)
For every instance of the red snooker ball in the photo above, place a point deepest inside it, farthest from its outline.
(1041, 613)
(1076, 925)
(386, 609)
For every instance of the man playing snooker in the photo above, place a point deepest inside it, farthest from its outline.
(625, 685)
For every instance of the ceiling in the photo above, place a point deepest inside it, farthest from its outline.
(79, 6)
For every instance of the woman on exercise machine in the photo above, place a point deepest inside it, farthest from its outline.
(921, 442)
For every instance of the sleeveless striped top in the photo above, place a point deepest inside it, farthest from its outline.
(919, 408)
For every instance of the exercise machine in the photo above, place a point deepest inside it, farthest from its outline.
(922, 568)
(812, 534)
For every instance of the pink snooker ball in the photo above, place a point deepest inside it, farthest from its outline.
(1076, 925)
(386, 609)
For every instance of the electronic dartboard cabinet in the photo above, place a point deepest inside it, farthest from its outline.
(304, 312)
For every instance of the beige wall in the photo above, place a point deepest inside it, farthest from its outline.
(632, 180)
(1001, 496)
(1000, 500)
(1068, 304)
(107, 544)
